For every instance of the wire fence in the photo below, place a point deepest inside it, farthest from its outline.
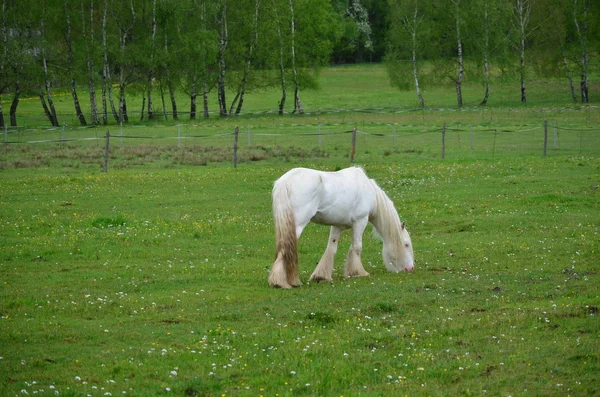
(370, 139)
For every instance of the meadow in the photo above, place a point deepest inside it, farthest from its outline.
(151, 279)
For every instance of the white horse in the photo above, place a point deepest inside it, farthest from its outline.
(346, 199)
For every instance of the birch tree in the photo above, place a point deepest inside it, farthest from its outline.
(70, 65)
(89, 45)
(125, 18)
(45, 91)
(223, 43)
(297, 103)
(522, 9)
(253, 41)
(405, 38)
(485, 38)
(459, 46)
(580, 17)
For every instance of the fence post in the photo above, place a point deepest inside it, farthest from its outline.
(235, 146)
(64, 126)
(106, 151)
(178, 135)
(444, 141)
(353, 145)
(545, 136)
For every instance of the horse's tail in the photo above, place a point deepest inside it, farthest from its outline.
(284, 273)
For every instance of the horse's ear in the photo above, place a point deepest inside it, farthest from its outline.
(403, 225)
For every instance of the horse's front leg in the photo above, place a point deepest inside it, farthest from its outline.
(324, 270)
(354, 267)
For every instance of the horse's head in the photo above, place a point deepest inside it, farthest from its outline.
(399, 256)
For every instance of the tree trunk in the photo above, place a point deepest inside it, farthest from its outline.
(522, 70)
(568, 72)
(523, 10)
(486, 52)
(582, 34)
(486, 73)
(223, 41)
(49, 109)
(297, 104)
(162, 98)
(52, 114)
(78, 111)
(193, 100)
(173, 101)
(105, 69)
(416, 77)
(205, 98)
(143, 106)
(281, 65)
(90, 62)
(461, 69)
(253, 43)
(170, 84)
(123, 35)
(151, 71)
(15, 104)
(412, 27)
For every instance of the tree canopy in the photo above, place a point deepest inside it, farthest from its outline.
(109, 48)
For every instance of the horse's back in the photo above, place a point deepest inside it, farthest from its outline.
(328, 197)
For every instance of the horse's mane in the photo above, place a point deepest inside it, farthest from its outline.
(386, 217)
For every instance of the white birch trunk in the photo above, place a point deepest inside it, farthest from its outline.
(461, 69)
(223, 42)
(90, 62)
(151, 70)
(582, 34)
(297, 104)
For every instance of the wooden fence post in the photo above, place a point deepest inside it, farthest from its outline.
(444, 141)
(178, 135)
(545, 136)
(106, 151)
(353, 145)
(235, 146)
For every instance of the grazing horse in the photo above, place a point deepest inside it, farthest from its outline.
(345, 199)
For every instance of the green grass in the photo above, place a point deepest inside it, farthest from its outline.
(151, 279)
(112, 281)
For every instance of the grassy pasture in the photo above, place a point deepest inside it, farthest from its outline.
(151, 279)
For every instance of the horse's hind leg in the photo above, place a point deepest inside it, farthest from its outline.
(278, 277)
(324, 270)
(354, 267)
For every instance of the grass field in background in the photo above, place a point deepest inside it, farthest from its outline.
(151, 279)
(349, 87)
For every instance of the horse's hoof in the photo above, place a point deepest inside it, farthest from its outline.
(318, 279)
(282, 286)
